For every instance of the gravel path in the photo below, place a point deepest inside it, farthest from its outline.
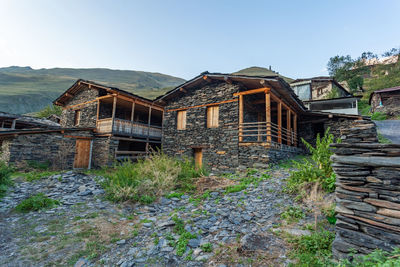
(88, 230)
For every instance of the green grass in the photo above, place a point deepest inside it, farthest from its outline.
(150, 178)
(292, 214)
(207, 247)
(246, 181)
(184, 236)
(377, 258)
(383, 140)
(35, 203)
(379, 116)
(35, 175)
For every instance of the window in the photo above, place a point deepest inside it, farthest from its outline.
(77, 117)
(181, 120)
(212, 116)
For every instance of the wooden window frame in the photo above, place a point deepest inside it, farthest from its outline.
(213, 116)
(77, 117)
(181, 120)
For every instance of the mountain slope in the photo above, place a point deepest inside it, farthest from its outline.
(24, 90)
(259, 71)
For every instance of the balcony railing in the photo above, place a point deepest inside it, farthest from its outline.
(128, 128)
(266, 132)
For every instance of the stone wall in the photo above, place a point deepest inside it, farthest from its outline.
(49, 147)
(367, 192)
(219, 145)
(260, 156)
(88, 111)
(104, 151)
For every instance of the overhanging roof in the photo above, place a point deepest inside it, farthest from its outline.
(392, 89)
(278, 86)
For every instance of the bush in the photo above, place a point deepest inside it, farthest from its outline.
(378, 258)
(292, 214)
(149, 178)
(49, 110)
(35, 203)
(319, 169)
(378, 116)
(312, 250)
(5, 181)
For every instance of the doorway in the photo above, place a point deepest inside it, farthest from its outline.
(82, 154)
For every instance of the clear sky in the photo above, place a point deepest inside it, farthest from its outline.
(184, 38)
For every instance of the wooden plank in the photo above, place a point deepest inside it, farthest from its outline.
(114, 107)
(240, 117)
(288, 126)
(82, 153)
(181, 120)
(98, 111)
(295, 128)
(78, 137)
(133, 111)
(268, 115)
(280, 122)
(13, 124)
(205, 105)
(212, 116)
(198, 158)
(253, 91)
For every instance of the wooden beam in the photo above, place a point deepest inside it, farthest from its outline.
(205, 105)
(240, 117)
(280, 122)
(69, 95)
(13, 124)
(114, 108)
(133, 111)
(206, 78)
(295, 128)
(148, 130)
(268, 115)
(227, 80)
(253, 91)
(98, 111)
(183, 90)
(288, 126)
(78, 137)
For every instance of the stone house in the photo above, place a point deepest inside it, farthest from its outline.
(9, 121)
(386, 100)
(104, 123)
(228, 121)
(325, 94)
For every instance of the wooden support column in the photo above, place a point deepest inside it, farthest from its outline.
(295, 129)
(113, 112)
(288, 126)
(268, 114)
(240, 118)
(280, 122)
(98, 111)
(148, 130)
(133, 111)
(13, 124)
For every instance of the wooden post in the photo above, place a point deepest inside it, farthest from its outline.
(288, 126)
(268, 114)
(280, 122)
(240, 118)
(133, 111)
(98, 111)
(295, 128)
(113, 113)
(148, 130)
(13, 124)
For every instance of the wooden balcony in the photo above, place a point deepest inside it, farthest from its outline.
(128, 128)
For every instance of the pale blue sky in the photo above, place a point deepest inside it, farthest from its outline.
(184, 38)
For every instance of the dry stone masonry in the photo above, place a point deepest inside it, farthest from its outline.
(367, 191)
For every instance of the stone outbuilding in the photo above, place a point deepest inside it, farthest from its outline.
(386, 101)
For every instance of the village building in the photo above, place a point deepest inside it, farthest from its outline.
(10, 122)
(99, 125)
(325, 94)
(230, 121)
(386, 100)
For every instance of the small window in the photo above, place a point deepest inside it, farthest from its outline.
(77, 117)
(181, 120)
(212, 116)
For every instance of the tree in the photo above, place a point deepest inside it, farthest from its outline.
(338, 66)
(355, 83)
(392, 52)
(49, 110)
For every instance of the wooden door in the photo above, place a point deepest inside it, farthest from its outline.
(82, 153)
(198, 158)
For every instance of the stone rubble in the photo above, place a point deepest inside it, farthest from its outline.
(222, 219)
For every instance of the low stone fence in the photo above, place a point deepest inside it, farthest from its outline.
(367, 192)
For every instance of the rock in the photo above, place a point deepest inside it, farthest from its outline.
(82, 263)
(121, 242)
(297, 232)
(194, 243)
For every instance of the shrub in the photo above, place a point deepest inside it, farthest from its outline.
(147, 179)
(5, 181)
(49, 110)
(312, 250)
(378, 116)
(292, 214)
(378, 258)
(35, 203)
(318, 169)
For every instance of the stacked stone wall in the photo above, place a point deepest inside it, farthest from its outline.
(367, 192)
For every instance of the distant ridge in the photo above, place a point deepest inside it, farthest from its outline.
(26, 90)
(259, 71)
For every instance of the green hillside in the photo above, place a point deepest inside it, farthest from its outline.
(259, 71)
(25, 90)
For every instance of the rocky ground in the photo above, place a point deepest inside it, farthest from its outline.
(228, 229)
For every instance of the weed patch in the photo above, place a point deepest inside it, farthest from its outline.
(35, 203)
(184, 236)
(292, 214)
(5, 181)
